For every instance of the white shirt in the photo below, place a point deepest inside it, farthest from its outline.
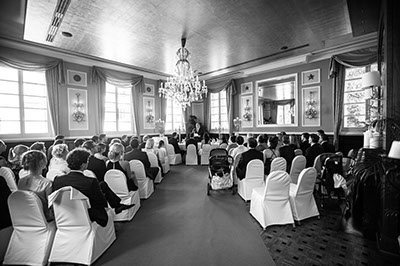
(238, 150)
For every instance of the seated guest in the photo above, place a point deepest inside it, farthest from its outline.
(103, 139)
(206, 140)
(240, 148)
(262, 144)
(79, 142)
(59, 139)
(38, 146)
(246, 157)
(305, 143)
(115, 155)
(174, 142)
(137, 154)
(270, 153)
(162, 151)
(313, 151)
(143, 144)
(232, 143)
(287, 152)
(149, 147)
(124, 140)
(294, 141)
(97, 192)
(34, 162)
(58, 161)
(5, 192)
(199, 132)
(95, 139)
(249, 135)
(3, 148)
(101, 149)
(320, 132)
(324, 142)
(97, 166)
(223, 139)
(114, 140)
(14, 158)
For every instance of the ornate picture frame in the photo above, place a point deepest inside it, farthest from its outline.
(77, 109)
(246, 111)
(246, 88)
(310, 77)
(76, 78)
(148, 89)
(148, 113)
(311, 106)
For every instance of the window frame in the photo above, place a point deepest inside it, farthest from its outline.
(182, 126)
(213, 129)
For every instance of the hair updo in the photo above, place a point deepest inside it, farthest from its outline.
(33, 160)
(116, 152)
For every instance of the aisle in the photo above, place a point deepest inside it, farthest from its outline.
(180, 225)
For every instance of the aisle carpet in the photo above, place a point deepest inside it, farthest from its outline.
(180, 225)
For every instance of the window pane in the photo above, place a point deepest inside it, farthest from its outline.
(124, 126)
(126, 91)
(36, 127)
(35, 89)
(34, 77)
(9, 114)
(354, 121)
(354, 97)
(9, 101)
(110, 97)
(124, 99)
(125, 108)
(354, 109)
(35, 115)
(110, 116)
(124, 117)
(352, 85)
(8, 87)
(110, 126)
(110, 107)
(8, 73)
(356, 72)
(35, 102)
(10, 127)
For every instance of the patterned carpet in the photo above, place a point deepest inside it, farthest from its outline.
(326, 241)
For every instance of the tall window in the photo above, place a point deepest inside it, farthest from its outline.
(174, 119)
(354, 99)
(118, 113)
(23, 104)
(219, 112)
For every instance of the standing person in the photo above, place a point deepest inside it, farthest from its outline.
(287, 152)
(34, 162)
(313, 151)
(246, 157)
(137, 154)
(305, 143)
(98, 193)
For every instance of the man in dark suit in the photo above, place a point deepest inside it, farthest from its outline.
(137, 154)
(287, 152)
(305, 142)
(313, 151)
(247, 156)
(174, 142)
(5, 192)
(98, 193)
(324, 140)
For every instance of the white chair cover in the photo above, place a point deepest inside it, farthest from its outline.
(154, 163)
(78, 240)
(8, 175)
(164, 159)
(254, 178)
(270, 204)
(205, 154)
(116, 180)
(191, 155)
(278, 164)
(301, 195)
(89, 173)
(174, 158)
(298, 164)
(32, 238)
(22, 173)
(51, 174)
(146, 186)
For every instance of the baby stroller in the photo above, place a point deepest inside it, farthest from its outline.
(219, 170)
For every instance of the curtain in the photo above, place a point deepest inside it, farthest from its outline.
(54, 69)
(230, 89)
(337, 68)
(136, 82)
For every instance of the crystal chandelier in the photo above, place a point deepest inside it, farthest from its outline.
(184, 87)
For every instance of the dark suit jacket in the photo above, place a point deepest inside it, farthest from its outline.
(312, 153)
(246, 157)
(5, 219)
(98, 167)
(287, 152)
(304, 146)
(90, 188)
(136, 154)
(328, 147)
(192, 141)
(174, 142)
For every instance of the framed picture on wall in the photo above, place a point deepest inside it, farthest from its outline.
(246, 88)
(149, 89)
(77, 109)
(311, 106)
(76, 78)
(148, 113)
(246, 111)
(310, 77)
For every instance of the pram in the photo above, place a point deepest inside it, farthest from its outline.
(219, 171)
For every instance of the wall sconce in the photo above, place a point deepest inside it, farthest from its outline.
(372, 81)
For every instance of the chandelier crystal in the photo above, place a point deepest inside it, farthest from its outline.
(184, 87)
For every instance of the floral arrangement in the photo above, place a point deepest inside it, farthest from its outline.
(311, 111)
(160, 126)
(247, 113)
(78, 115)
(237, 122)
(149, 118)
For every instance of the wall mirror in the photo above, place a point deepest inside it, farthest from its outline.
(277, 101)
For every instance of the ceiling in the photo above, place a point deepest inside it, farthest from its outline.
(224, 36)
